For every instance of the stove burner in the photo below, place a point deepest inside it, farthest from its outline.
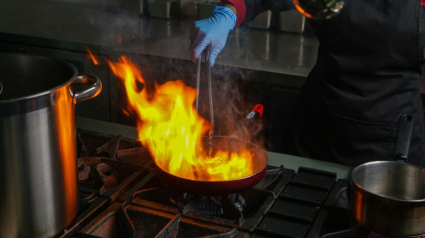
(181, 200)
(211, 206)
(125, 220)
(169, 199)
(239, 201)
(243, 210)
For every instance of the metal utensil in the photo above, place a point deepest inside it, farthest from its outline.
(210, 98)
(198, 82)
(389, 196)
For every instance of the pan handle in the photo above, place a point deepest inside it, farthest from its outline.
(404, 134)
(93, 91)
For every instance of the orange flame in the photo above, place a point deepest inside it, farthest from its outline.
(95, 62)
(170, 127)
(301, 10)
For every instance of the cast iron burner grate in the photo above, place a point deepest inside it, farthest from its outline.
(126, 220)
(243, 210)
(310, 203)
(214, 205)
(296, 209)
(163, 197)
(109, 166)
(118, 149)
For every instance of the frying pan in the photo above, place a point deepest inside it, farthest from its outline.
(388, 197)
(218, 188)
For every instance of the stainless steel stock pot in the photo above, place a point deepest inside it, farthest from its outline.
(38, 166)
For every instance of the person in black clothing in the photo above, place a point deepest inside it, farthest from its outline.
(366, 76)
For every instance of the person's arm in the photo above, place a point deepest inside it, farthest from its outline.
(248, 9)
(228, 15)
(238, 7)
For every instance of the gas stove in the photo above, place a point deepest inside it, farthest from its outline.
(122, 196)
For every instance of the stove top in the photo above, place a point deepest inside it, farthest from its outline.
(122, 196)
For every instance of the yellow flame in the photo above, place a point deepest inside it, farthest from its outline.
(172, 130)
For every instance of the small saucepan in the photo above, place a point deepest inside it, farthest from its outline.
(388, 197)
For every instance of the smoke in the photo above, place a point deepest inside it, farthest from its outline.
(92, 22)
(230, 99)
(231, 106)
(105, 23)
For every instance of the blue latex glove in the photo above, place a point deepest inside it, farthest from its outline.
(214, 31)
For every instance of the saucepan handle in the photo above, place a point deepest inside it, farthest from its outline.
(93, 91)
(404, 135)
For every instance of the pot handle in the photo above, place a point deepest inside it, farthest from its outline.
(89, 93)
(404, 134)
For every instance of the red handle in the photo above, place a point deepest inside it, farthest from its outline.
(259, 108)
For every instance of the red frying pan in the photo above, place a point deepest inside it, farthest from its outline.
(217, 188)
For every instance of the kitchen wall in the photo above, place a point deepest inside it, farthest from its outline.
(187, 8)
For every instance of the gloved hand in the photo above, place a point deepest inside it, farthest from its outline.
(214, 31)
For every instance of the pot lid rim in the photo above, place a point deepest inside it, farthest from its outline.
(42, 93)
(362, 189)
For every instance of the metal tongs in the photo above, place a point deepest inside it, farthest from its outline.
(210, 98)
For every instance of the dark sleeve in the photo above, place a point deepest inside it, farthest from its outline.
(240, 8)
(255, 7)
(249, 9)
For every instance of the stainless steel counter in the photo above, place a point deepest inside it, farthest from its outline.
(263, 50)
(108, 29)
(66, 25)
(275, 159)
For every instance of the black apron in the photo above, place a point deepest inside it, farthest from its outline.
(366, 76)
